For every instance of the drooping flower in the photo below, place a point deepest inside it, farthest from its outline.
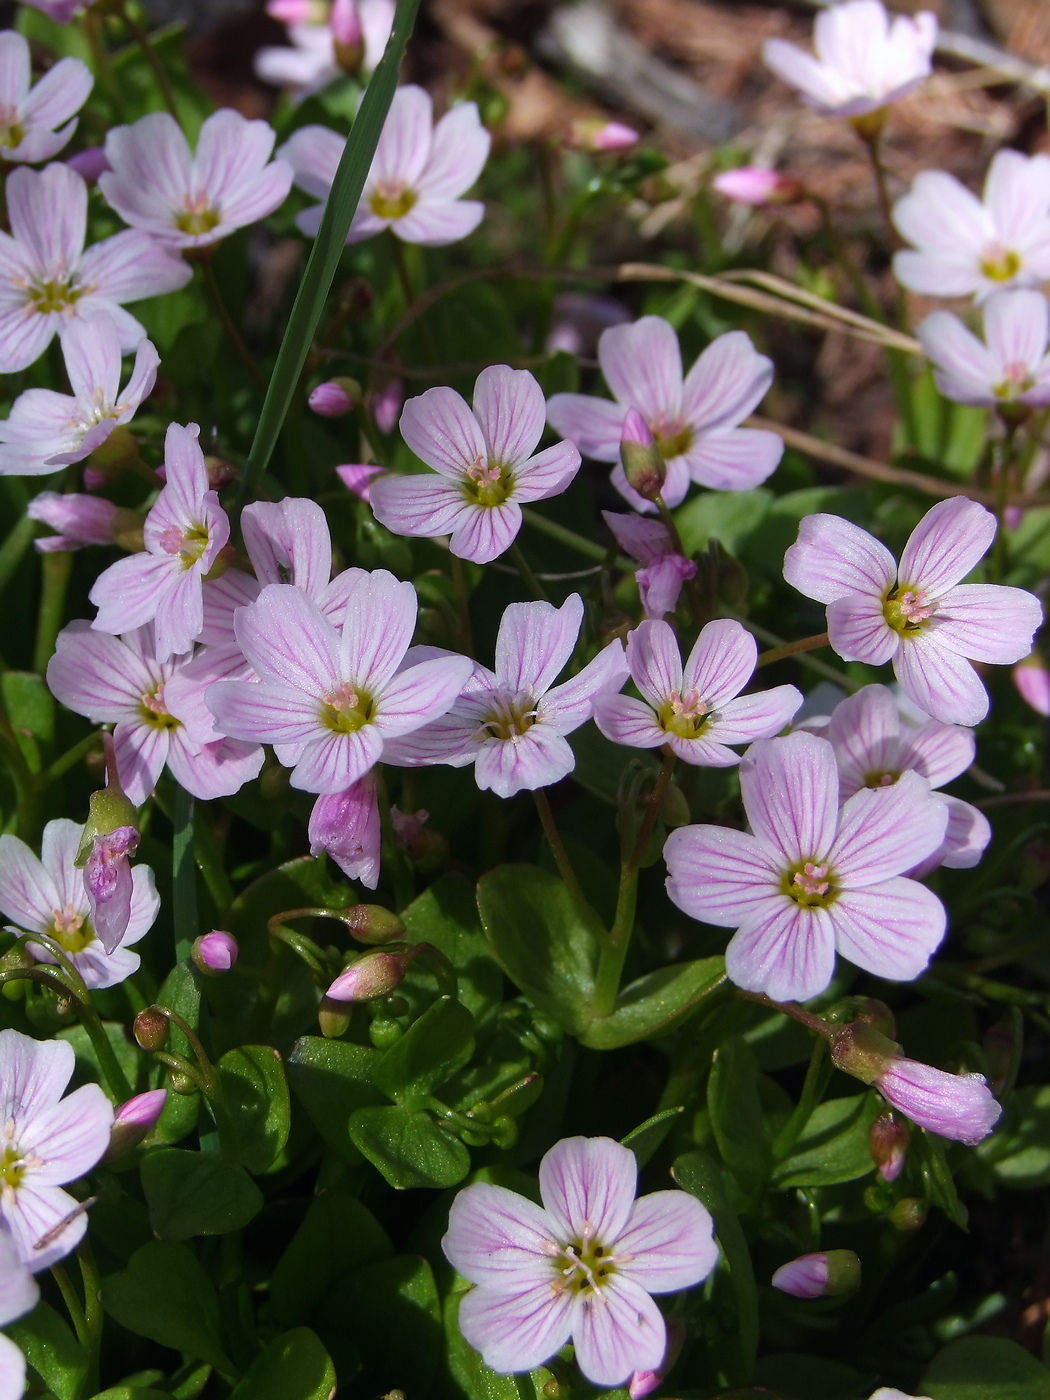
(511, 723)
(963, 247)
(134, 1120)
(329, 702)
(48, 279)
(582, 1266)
(825, 1275)
(48, 895)
(45, 1141)
(79, 519)
(316, 51)
(664, 570)
(1032, 679)
(186, 200)
(46, 430)
(183, 532)
(119, 680)
(755, 185)
(874, 747)
(696, 711)
(918, 615)
(358, 477)
(485, 462)
(694, 420)
(418, 175)
(808, 879)
(1011, 366)
(19, 1294)
(31, 114)
(346, 825)
(864, 61)
(956, 1106)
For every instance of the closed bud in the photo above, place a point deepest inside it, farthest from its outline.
(383, 1033)
(335, 397)
(597, 135)
(347, 35)
(643, 1383)
(182, 1083)
(674, 810)
(869, 1011)
(333, 1017)
(859, 1049)
(220, 472)
(151, 1028)
(386, 405)
(909, 1213)
(888, 1139)
(643, 462)
(1032, 679)
(133, 1121)
(826, 1275)
(215, 953)
(373, 975)
(78, 518)
(89, 164)
(752, 184)
(110, 813)
(371, 923)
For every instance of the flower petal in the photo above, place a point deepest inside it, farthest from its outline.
(27, 892)
(721, 663)
(940, 752)
(625, 720)
(750, 717)
(499, 1238)
(377, 628)
(289, 642)
(571, 704)
(988, 622)
(536, 759)
(588, 1185)
(833, 558)
(483, 533)
(441, 430)
(788, 955)
(734, 459)
(594, 425)
(939, 681)
(670, 1237)
(719, 876)
(618, 1333)
(885, 831)
(415, 504)
(890, 929)
(68, 1137)
(546, 474)
(535, 642)
(948, 541)
(790, 791)
(858, 630)
(337, 761)
(865, 729)
(509, 406)
(516, 1331)
(419, 694)
(655, 661)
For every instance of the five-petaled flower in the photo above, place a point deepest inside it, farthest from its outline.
(1010, 367)
(30, 112)
(583, 1266)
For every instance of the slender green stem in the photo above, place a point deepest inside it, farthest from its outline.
(766, 658)
(459, 583)
(71, 757)
(14, 547)
(55, 570)
(841, 256)
(229, 325)
(871, 145)
(589, 548)
(304, 948)
(141, 38)
(813, 663)
(72, 1302)
(104, 1052)
(812, 1091)
(92, 22)
(184, 876)
(93, 1315)
(792, 1009)
(554, 841)
(525, 569)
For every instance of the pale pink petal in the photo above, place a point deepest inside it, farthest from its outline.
(865, 730)
(91, 351)
(571, 704)
(858, 630)
(547, 474)
(790, 791)
(535, 642)
(988, 622)
(47, 211)
(720, 876)
(885, 831)
(498, 1238)
(625, 720)
(28, 895)
(179, 615)
(142, 752)
(594, 425)
(891, 929)
(214, 770)
(377, 627)
(59, 94)
(337, 761)
(418, 504)
(96, 675)
(789, 955)
(18, 1290)
(151, 170)
(750, 717)
(288, 542)
(517, 1331)
(222, 597)
(940, 752)
(621, 1332)
(588, 1183)
(734, 459)
(458, 151)
(130, 266)
(1017, 195)
(404, 143)
(939, 681)
(265, 713)
(441, 430)
(24, 336)
(69, 1137)
(938, 274)
(58, 849)
(642, 365)
(669, 1238)
(509, 406)
(36, 1214)
(727, 382)
(833, 557)
(655, 661)
(314, 153)
(646, 540)
(435, 223)
(721, 662)
(801, 70)
(483, 533)
(420, 694)
(12, 1368)
(36, 1073)
(539, 758)
(941, 215)
(1016, 325)
(967, 836)
(967, 371)
(128, 592)
(946, 544)
(16, 73)
(288, 641)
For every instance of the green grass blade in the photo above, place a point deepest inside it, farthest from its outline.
(328, 246)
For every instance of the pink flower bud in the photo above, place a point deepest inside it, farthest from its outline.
(888, 1140)
(346, 825)
(386, 405)
(825, 1275)
(94, 479)
(79, 520)
(89, 164)
(373, 975)
(371, 923)
(753, 185)
(215, 952)
(643, 462)
(335, 397)
(1032, 679)
(597, 135)
(956, 1106)
(347, 35)
(643, 1383)
(859, 1049)
(298, 11)
(660, 584)
(132, 1122)
(356, 477)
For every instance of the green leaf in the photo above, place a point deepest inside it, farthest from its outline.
(31, 709)
(1018, 1152)
(937, 1176)
(446, 915)
(165, 1295)
(294, 1367)
(255, 1092)
(797, 1376)
(332, 1078)
(337, 1235)
(328, 248)
(52, 1350)
(409, 1149)
(132, 1392)
(197, 1193)
(539, 939)
(647, 1137)
(736, 1114)
(727, 516)
(986, 1368)
(433, 1048)
(88, 1070)
(395, 1319)
(833, 1146)
(656, 1003)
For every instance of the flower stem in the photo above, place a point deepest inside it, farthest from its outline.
(554, 841)
(792, 1009)
(563, 535)
(812, 1089)
(766, 658)
(141, 38)
(871, 142)
(93, 1316)
(524, 568)
(55, 570)
(71, 757)
(229, 325)
(459, 583)
(184, 876)
(72, 1302)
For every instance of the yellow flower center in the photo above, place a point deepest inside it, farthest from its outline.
(510, 717)
(906, 610)
(810, 884)
(155, 713)
(346, 710)
(672, 436)
(197, 216)
(1016, 380)
(12, 1167)
(12, 133)
(487, 483)
(880, 780)
(70, 930)
(390, 199)
(1000, 264)
(685, 715)
(56, 294)
(584, 1265)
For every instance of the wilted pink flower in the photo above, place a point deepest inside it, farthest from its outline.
(134, 1120)
(485, 462)
(963, 247)
(582, 1266)
(956, 1106)
(510, 723)
(46, 429)
(694, 421)
(699, 711)
(215, 952)
(89, 164)
(823, 1275)
(579, 319)
(358, 477)
(808, 879)
(49, 896)
(874, 747)
(109, 885)
(660, 581)
(918, 615)
(29, 115)
(418, 176)
(597, 135)
(79, 520)
(386, 405)
(330, 702)
(1010, 367)
(346, 825)
(753, 184)
(19, 1294)
(1032, 680)
(190, 201)
(47, 279)
(119, 681)
(47, 1141)
(183, 532)
(313, 59)
(864, 61)
(330, 400)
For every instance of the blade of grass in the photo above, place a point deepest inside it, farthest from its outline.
(328, 246)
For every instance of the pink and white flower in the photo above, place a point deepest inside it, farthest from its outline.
(78, 518)
(47, 1141)
(46, 430)
(183, 532)
(19, 1294)
(956, 1106)
(49, 895)
(584, 1265)
(486, 463)
(919, 615)
(346, 825)
(696, 711)
(311, 59)
(755, 185)
(328, 701)
(418, 176)
(664, 570)
(1032, 679)
(186, 200)
(864, 61)
(808, 879)
(47, 279)
(37, 120)
(119, 680)
(874, 747)
(694, 420)
(511, 723)
(1011, 366)
(962, 246)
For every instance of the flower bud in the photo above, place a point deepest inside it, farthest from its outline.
(333, 1017)
(660, 583)
(356, 477)
(674, 810)
(827, 1275)
(888, 1140)
(643, 1383)
(371, 976)
(909, 1213)
(348, 37)
(221, 473)
(751, 184)
(182, 1083)
(371, 923)
(1032, 679)
(151, 1028)
(386, 405)
(643, 462)
(78, 520)
(215, 953)
(868, 1011)
(335, 397)
(859, 1049)
(89, 164)
(133, 1120)
(597, 135)
(956, 1106)
(298, 11)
